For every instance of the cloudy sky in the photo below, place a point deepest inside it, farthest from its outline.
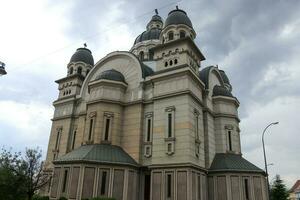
(256, 42)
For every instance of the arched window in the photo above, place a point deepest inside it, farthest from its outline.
(175, 61)
(141, 55)
(79, 70)
(182, 34)
(166, 64)
(71, 70)
(171, 62)
(151, 55)
(171, 35)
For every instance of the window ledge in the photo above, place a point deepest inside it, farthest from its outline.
(55, 150)
(105, 142)
(170, 139)
(147, 143)
(197, 141)
(169, 153)
(89, 142)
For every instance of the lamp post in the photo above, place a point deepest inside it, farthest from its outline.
(2, 69)
(266, 166)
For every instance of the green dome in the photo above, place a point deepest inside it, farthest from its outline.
(83, 55)
(112, 75)
(178, 16)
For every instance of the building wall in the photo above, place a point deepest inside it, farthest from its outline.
(231, 186)
(84, 181)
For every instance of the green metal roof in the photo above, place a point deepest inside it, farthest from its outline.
(98, 153)
(232, 162)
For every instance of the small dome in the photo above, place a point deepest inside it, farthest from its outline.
(152, 34)
(156, 18)
(178, 16)
(83, 55)
(221, 91)
(112, 75)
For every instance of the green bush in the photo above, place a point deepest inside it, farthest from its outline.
(63, 198)
(44, 198)
(38, 197)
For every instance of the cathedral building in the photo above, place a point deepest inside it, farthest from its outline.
(149, 124)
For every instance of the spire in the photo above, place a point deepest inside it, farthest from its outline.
(156, 11)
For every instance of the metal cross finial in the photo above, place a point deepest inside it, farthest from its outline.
(84, 45)
(156, 11)
(176, 7)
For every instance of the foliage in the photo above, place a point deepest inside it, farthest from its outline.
(102, 198)
(37, 197)
(279, 190)
(21, 176)
(63, 198)
(11, 176)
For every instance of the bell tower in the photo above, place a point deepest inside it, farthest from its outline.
(177, 46)
(79, 66)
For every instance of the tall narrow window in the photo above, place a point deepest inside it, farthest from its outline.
(151, 55)
(148, 129)
(103, 183)
(169, 185)
(197, 126)
(107, 127)
(170, 125)
(64, 188)
(91, 129)
(71, 70)
(229, 141)
(141, 55)
(182, 34)
(171, 35)
(199, 187)
(246, 189)
(79, 70)
(74, 139)
(57, 139)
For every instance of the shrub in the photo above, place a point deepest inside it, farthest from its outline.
(44, 198)
(37, 197)
(63, 198)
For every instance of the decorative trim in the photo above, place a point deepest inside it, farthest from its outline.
(229, 127)
(170, 109)
(93, 114)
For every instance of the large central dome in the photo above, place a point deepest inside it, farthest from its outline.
(178, 16)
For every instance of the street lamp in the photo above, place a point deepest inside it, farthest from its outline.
(2, 69)
(266, 166)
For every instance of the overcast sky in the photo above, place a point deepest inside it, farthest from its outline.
(256, 42)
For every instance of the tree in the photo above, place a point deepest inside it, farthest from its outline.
(11, 183)
(21, 175)
(279, 190)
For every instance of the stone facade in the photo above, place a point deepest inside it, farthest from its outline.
(159, 106)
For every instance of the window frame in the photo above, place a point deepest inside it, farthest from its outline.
(107, 128)
(170, 35)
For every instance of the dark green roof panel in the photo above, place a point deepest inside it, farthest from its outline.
(221, 91)
(98, 153)
(232, 162)
(152, 34)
